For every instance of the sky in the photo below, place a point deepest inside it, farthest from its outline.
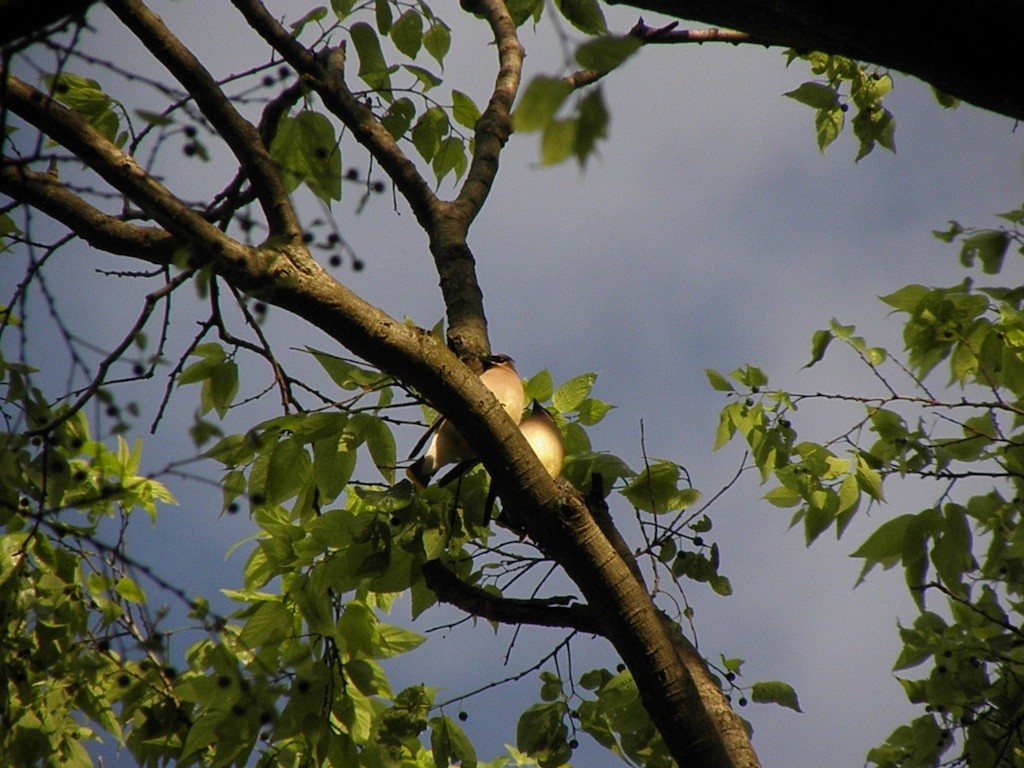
(709, 233)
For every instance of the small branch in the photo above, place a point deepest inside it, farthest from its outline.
(451, 589)
(115, 355)
(668, 35)
(495, 125)
(1019, 631)
(239, 134)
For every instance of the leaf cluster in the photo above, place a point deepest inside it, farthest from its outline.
(964, 551)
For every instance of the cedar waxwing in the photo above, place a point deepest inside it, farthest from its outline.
(544, 436)
(448, 446)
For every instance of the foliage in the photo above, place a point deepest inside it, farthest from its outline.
(872, 123)
(962, 557)
(296, 673)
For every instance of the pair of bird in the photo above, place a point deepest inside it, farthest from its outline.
(449, 447)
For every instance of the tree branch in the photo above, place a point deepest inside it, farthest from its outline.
(966, 50)
(239, 134)
(494, 126)
(325, 75)
(101, 230)
(478, 602)
(117, 168)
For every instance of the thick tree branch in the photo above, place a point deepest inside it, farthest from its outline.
(478, 602)
(239, 134)
(969, 50)
(117, 168)
(44, 192)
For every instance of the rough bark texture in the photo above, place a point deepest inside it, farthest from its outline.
(971, 50)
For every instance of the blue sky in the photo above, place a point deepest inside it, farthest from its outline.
(710, 232)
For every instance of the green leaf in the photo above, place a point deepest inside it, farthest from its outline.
(464, 110)
(819, 343)
(907, 298)
(407, 33)
(989, 246)
(591, 125)
(438, 40)
(718, 381)
(382, 15)
(571, 394)
(317, 14)
(585, 15)
(775, 692)
(816, 95)
(450, 745)
(373, 69)
(558, 141)
(288, 468)
(656, 489)
(347, 375)
(86, 97)
(129, 590)
(450, 156)
(399, 117)
(539, 103)
(223, 386)
(307, 150)
(782, 497)
(541, 733)
(539, 387)
(426, 78)
(342, 8)
(428, 132)
(606, 53)
(828, 124)
(379, 441)
(394, 641)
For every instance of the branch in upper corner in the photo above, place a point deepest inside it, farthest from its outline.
(495, 125)
(117, 168)
(667, 35)
(325, 75)
(451, 589)
(239, 134)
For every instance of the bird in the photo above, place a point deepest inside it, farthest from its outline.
(544, 436)
(448, 446)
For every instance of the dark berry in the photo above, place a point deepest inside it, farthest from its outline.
(303, 686)
(379, 187)
(742, 701)
(138, 369)
(190, 131)
(268, 81)
(259, 308)
(335, 261)
(124, 681)
(307, 237)
(357, 265)
(232, 508)
(223, 681)
(352, 174)
(463, 716)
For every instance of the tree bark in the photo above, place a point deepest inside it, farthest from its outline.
(971, 50)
